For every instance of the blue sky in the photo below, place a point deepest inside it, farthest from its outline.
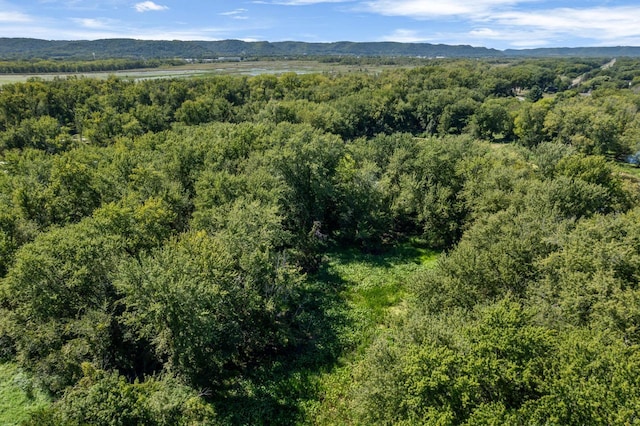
(499, 24)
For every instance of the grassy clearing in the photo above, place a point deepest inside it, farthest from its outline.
(628, 169)
(375, 295)
(630, 176)
(375, 290)
(18, 395)
(346, 305)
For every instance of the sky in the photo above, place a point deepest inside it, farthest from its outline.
(499, 24)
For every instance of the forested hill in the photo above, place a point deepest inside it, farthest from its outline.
(25, 48)
(263, 48)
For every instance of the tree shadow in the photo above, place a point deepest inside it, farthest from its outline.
(273, 391)
(281, 384)
(386, 256)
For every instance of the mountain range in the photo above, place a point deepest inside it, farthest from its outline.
(29, 48)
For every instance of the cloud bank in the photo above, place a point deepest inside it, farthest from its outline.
(519, 23)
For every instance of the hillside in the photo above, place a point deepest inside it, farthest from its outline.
(24, 48)
(27, 48)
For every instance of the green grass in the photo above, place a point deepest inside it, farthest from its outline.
(344, 307)
(628, 169)
(376, 295)
(18, 395)
(375, 290)
(629, 175)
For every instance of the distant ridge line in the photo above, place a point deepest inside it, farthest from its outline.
(30, 48)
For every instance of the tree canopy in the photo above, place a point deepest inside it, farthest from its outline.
(170, 249)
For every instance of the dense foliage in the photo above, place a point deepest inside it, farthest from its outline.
(52, 66)
(163, 246)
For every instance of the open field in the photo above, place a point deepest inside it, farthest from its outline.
(18, 395)
(218, 68)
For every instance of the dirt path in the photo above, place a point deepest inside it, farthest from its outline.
(609, 64)
(580, 79)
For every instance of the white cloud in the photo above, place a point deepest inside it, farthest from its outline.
(487, 33)
(93, 23)
(149, 6)
(234, 12)
(529, 43)
(516, 38)
(300, 2)
(83, 33)
(613, 23)
(14, 17)
(514, 25)
(420, 9)
(405, 36)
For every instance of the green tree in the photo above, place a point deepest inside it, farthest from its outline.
(529, 124)
(423, 185)
(43, 133)
(205, 109)
(363, 213)
(534, 94)
(104, 398)
(457, 116)
(492, 120)
(591, 281)
(455, 368)
(204, 310)
(60, 301)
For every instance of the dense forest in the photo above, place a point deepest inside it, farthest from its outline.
(457, 243)
(34, 66)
